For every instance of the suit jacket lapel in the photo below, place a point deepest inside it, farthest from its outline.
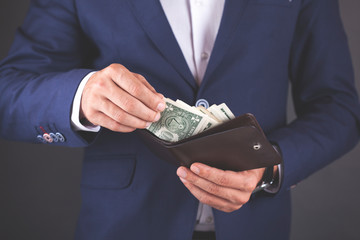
(153, 20)
(233, 11)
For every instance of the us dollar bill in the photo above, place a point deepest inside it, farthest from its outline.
(221, 112)
(206, 112)
(180, 120)
(177, 123)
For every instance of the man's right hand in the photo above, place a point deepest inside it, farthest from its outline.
(120, 100)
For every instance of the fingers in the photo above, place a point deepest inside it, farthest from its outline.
(232, 195)
(132, 105)
(116, 98)
(105, 121)
(210, 199)
(135, 87)
(224, 190)
(119, 115)
(245, 180)
(146, 83)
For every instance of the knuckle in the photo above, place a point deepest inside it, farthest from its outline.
(237, 207)
(139, 76)
(114, 126)
(204, 199)
(223, 180)
(115, 68)
(98, 85)
(119, 115)
(128, 104)
(111, 125)
(129, 129)
(120, 70)
(192, 180)
(212, 188)
(206, 173)
(235, 198)
(110, 69)
(227, 209)
(239, 199)
(249, 185)
(232, 208)
(151, 116)
(101, 104)
(136, 89)
(94, 118)
(252, 186)
(246, 199)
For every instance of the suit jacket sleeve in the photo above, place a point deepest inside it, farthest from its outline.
(39, 78)
(324, 95)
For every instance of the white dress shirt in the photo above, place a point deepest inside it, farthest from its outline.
(195, 24)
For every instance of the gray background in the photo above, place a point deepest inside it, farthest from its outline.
(39, 185)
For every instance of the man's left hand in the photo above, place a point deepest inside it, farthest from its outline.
(224, 190)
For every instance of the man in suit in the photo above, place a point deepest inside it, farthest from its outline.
(88, 73)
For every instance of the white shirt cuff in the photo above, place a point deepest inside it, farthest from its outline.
(75, 114)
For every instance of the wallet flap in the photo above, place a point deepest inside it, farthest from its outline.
(244, 120)
(236, 149)
(157, 146)
(237, 145)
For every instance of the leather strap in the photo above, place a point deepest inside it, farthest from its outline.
(267, 179)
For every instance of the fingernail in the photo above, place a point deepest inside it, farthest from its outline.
(181, 173)
(195, 169)
(157, 117)
(148, 124)
(160, 107)
(183, 180)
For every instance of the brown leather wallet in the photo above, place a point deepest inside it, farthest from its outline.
(239, 144)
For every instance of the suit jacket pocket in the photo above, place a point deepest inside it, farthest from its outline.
(286, 3)
(108, 171)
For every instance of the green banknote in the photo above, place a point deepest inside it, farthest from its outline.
(177, 123)
(179, 120)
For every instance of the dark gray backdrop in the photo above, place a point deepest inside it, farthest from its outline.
(39, 185)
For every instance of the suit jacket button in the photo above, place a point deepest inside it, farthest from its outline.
(41, 139)
(54, 137)
(47, 137)
(60, 137)
(202, 102)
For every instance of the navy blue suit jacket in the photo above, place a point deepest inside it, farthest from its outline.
(262, 46)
